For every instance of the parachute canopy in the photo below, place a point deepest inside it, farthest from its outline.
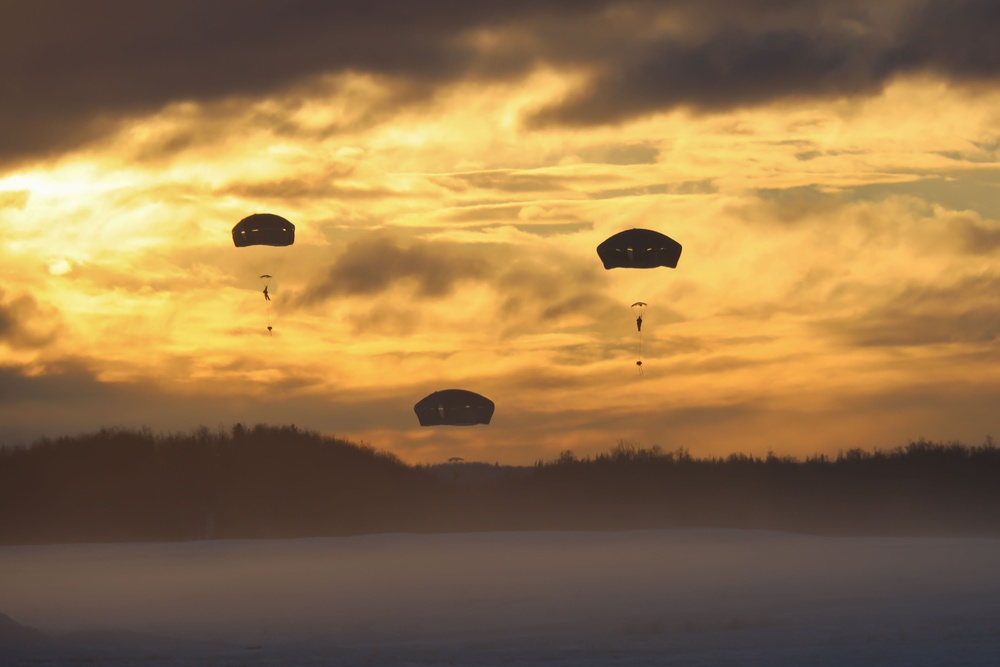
(454, 407)
(639, 249)
(263, 229)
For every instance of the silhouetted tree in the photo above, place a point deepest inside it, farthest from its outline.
(281, 481)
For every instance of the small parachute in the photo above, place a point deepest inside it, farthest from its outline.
(454, 407)
(639, 249)
(265, 280)
(639, 309)
(263, 229)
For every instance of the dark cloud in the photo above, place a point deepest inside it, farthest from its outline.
(484, 213)
(982, 152)
(506, 181)
(731, 55)
(975, 237)
(787, 206)
(974, 191)
(967, 311)
(537, 288)
(701, 187)
(547, 220)
(624, 154)
(540, 290)
(711, 415)
(959, 191)
(67, 381)
(306, 187)
(963, 409)
(731, 69)
(553, 227)
(903, 329)
(24, 323)
(955, 38)
(71, 71)
(69, 398)
(512, 182)
(372, 264)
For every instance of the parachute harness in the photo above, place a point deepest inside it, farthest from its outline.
(638, 325)
(638, 309)
(267, 303)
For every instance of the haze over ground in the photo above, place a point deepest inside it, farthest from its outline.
(712, 597)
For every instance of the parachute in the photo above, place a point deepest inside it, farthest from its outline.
(454, 407)
(639, 249)
(264, 229)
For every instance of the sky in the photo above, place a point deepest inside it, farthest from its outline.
(830, 167)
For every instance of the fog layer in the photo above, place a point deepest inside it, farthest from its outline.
(520, 596)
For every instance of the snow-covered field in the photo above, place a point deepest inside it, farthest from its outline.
(684, 597)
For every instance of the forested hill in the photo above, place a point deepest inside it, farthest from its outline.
(271, 482)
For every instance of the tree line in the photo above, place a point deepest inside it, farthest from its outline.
(280, 482)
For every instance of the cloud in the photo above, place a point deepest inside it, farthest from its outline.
(457, 288)
(16, 199)
(70, 75)
(972, 196)
(976, 237)
(621, 154)
(24, 324)
(953, 38)
(68, 397)
(729, 70)
(372, 264)
(723, 57)
(64, 382)
(505, 180)
(967, 311)
(969, 191)
(74, 75)
(322, 186)
(702, 187)
(537, 290)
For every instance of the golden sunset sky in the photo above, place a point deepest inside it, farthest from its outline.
(831, 169)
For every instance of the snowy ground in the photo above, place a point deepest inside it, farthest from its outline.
(684, 597)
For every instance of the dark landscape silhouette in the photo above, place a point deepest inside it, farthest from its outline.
(283, 482)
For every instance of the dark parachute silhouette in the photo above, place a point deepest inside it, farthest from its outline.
(639, 249)
(454, 407)
(264, 229)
